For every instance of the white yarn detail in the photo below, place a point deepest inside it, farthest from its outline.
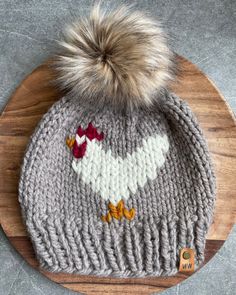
(115, 178)
(79, 139)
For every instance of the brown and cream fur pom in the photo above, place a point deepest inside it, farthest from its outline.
(118, 57)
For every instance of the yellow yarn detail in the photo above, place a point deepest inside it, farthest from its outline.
(118, 212)
(70, 141)
(129, 214)
(107, 218)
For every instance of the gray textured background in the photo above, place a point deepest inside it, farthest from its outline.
(203, 31)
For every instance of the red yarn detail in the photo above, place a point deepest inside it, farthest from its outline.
(90, 132)
(80, 131)
(79, 150)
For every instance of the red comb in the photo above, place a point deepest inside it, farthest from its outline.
(90, 132)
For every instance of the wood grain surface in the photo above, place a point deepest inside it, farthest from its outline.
(33, 98)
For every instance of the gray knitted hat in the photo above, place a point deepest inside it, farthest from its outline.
(117, 177)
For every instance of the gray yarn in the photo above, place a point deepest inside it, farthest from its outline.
(63, 214)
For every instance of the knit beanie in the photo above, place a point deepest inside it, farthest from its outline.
(117, 176)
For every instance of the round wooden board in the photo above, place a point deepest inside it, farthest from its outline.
(33, 98)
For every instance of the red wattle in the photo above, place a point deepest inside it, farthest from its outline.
(79, 150)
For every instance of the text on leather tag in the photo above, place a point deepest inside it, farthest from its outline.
(186, 260)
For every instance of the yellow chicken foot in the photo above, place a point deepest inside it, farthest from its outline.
(118, 212)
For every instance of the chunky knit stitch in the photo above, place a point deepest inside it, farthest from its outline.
(66, 203)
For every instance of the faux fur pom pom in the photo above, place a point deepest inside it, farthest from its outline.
(119, 57)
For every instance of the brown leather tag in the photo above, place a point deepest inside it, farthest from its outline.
(186, 263)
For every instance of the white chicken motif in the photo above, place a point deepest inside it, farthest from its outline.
(116, 178)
